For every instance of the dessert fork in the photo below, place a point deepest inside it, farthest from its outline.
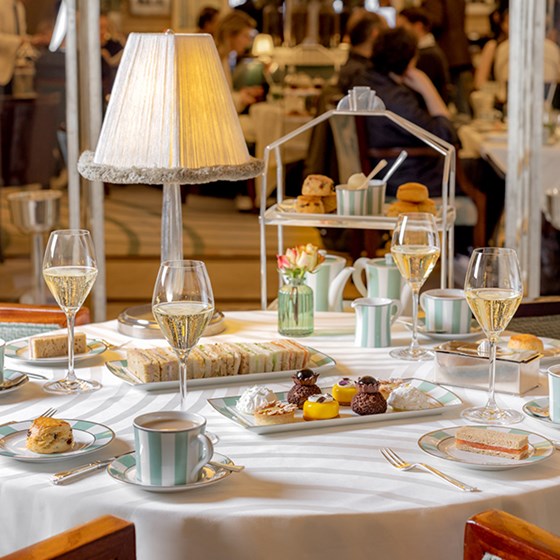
(395, 461)
(47, 414)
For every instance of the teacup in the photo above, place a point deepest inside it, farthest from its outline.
(351, 201)
(171, 448)
(374, 317)
(447, 311)
(554, 393)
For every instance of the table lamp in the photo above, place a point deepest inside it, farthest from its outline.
(170, 120)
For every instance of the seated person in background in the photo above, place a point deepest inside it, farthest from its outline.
(111, 54)
(362, 35)
(234, 35)
(207, 21)
(409, 93)
(431, 59)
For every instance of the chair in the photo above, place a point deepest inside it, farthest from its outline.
(104, 538)
(495, 534)
(18, 320)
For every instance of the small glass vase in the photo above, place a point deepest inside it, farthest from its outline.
(295, 308)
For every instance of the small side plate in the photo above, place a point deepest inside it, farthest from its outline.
(441, 444)
(17, 379)
(123, 469)
(88, 437)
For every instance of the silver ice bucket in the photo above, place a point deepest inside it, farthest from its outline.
(35, 211)
(552, 207)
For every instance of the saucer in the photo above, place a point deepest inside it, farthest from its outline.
(475, 331)
(16, 377)
(123, 469)
(541, 402)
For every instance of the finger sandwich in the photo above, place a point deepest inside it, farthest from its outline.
(492, 442)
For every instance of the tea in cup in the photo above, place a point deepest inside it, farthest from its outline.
(447, 311)
(171, 448)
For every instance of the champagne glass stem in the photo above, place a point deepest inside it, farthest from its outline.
(183, 360)
(491, 404)
(414, 346)
(71, 376)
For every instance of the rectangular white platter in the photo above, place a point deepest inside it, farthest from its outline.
(317, 361)
(443, 400)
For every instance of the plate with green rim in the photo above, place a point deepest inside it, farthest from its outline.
(317, 361)
(441, 397)
(15, 379)
(19, 350)
(88, 437)
(441, 444)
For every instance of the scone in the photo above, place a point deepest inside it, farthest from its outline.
(400, 207)
(49, 435)
(310, 205)
(317, 185)
(428, 206)
(412, 192)
(275, 413)
(525, 342)
(329, 203)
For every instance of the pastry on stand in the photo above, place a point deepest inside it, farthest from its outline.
(368, 399)
(305, 385)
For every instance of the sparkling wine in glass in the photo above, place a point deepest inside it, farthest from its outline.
(415, 249)
(494, 290)
(183, 305)
(69, 270)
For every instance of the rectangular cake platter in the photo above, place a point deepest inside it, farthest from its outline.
(317, 361)
(442, 399)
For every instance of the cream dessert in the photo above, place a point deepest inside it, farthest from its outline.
(408, 397)
(253, 398)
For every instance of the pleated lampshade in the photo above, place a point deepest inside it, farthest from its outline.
(171, 117)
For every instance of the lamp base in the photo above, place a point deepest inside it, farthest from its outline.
(138, 322)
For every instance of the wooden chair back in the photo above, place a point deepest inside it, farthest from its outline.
(497, 534)
(39, 314)
(105, 538)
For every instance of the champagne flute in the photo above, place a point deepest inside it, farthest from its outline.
(494, 290)
(183, 305)
(69, 270)
(415, 249)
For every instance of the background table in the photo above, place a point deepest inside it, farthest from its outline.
(314, 494)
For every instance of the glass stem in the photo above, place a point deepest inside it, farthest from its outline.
(71, 376)
(414, 342)
(492, 373)
(183, 359)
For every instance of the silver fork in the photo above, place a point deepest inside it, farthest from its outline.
(395, 461)
(47, 414)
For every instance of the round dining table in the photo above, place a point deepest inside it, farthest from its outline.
(322, 493)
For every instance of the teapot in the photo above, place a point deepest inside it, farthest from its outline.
(328, 281)
(383, 279)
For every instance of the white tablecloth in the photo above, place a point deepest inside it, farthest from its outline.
(315, 494)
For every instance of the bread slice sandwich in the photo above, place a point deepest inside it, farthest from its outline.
(151, 365)
(56, 345)
(492, 442)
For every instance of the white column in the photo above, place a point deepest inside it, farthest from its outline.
(524, 109)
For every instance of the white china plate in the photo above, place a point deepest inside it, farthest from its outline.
(88, 437)
(441, 444)
(19, 350)
(541, 402)
(123, 469)
(475, 331)
(442, 398)
(317, 361)
(16, 376)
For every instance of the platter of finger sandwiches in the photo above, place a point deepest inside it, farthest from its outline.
(350, 401)
(153, 369)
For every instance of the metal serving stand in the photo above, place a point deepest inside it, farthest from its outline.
(361, 101)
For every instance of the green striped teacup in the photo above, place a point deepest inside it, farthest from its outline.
(171, 448)
(447, 311)
(376, 197)
(351, 202)
(374, 317)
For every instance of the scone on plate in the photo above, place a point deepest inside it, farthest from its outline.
(329, 203)
(525, 342)
(310, 205)
(317, 185)
(413, 192)
(400, 207)
(49, 435)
